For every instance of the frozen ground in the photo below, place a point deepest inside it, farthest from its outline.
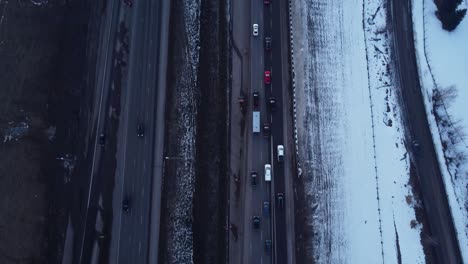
(360, 206)
(443, 64)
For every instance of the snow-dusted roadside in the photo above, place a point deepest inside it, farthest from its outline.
(180, 238)
(443, 63)
(354, 165)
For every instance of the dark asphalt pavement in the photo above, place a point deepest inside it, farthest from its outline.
(139, 159)
(277, 136)
(427, 167)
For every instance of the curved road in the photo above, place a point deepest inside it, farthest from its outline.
(427, 167)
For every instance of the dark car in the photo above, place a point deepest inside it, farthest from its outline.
(416, 146)
(267, 43)
(266, 130)
(256, 98)
(256, 222)
(268, 246)
(271, 102)
(266, 2)
(266, 208)
(254, 175)
(280, 200)
(129, 3)
(140, 130)
(102, 139)
(126, 205)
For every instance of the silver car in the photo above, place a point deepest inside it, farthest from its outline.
(255, 29)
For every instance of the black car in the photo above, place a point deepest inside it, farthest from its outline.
(256, 222)
(254, 175)
(126, 205)
(280, 200)
(140, 130)
(416, 146)
(267, 43)
(129, 3)
(256, 98)
(272, 102)
(266, 130)
(266, 208)
(268, 246)
(102, 139)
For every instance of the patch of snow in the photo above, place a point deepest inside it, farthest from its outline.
(15, 131)
(39, 2)
(443, 62)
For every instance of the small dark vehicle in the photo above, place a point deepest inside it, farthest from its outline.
(267, 43)
(280, 200)
(129, 3)
(272, 102)
(416, 146)
(266, 208)
(268, 246)
(256, 98)
(140, 130)
(126, 205)
(256, 222)
(254, 175)
(266, 130)
(102, 139)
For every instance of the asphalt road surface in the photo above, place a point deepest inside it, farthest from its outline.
(135, 234)
(277, 136)
(104, 68)
(432, 188)
(250, 60)
(258, 153)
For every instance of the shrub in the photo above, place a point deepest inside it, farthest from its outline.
(448, 14)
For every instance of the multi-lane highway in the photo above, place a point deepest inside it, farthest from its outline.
(250, 61)
(138, 176)
(428, 171)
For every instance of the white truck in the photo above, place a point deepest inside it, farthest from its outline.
(256, 122)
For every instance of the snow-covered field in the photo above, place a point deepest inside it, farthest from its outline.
(443, 69)
(352, 154)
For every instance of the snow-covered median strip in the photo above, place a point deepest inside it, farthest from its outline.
(443, 64)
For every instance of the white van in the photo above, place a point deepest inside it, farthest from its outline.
(267, 172)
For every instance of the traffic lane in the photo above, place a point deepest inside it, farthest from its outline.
(432, 187)
(127, 120)
(258, 143)
(139, 177)
(241, 36)
(288, 137)
(87, 235)
(127, 232)
(277, 133)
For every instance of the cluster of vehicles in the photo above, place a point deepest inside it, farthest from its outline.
(266, 131)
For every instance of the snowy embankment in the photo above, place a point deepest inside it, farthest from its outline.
(180, 238)
(354, 164)
(443, 64)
